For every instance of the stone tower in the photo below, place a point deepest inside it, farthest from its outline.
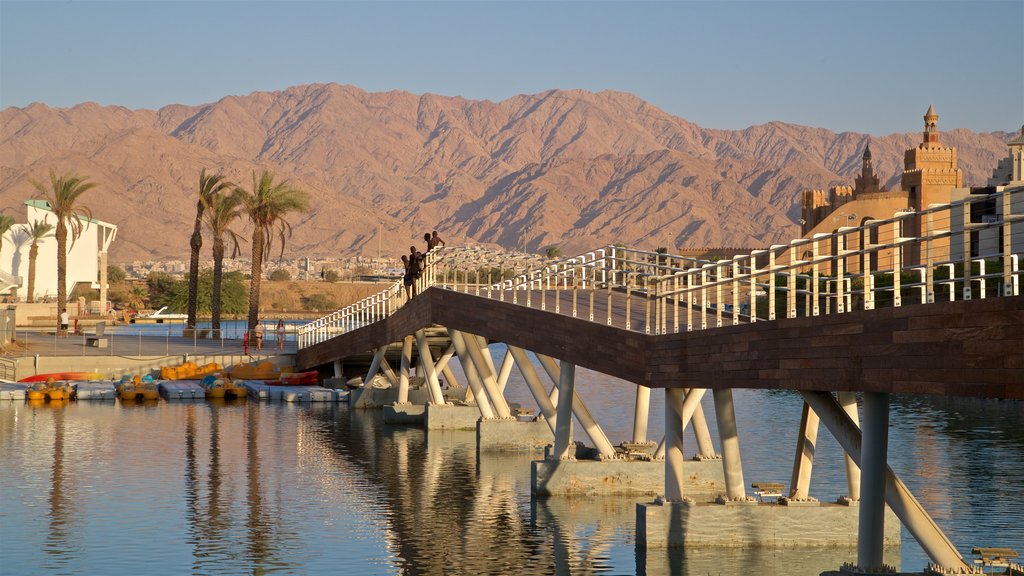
(929, 170)
(867, 182)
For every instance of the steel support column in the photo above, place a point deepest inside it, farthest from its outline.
(727, 434)
(476, 354)
(675, 421)
(580, 410)
(690, 404)
(403, 371)
(803, 461)
(374, 367)
(563, 427)
(700, 431)
(848, 400)
(874, 449)
(640, 413)
(536, 387)
(897, 496)
(427, 362)
(475, 385)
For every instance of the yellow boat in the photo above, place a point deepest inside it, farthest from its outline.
(49, 390)
(189, 371)
(262, 370)
(223, 388)
(136, 389)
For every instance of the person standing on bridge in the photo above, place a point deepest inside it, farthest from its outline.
(416, 265)
(407, 280)
(280, 335)
(433, 241)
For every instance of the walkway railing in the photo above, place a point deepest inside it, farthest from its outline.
(960, 251)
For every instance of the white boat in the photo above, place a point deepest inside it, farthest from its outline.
(161, 315)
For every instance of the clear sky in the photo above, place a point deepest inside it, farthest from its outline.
(859, 66)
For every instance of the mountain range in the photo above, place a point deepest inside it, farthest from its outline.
(566, 168)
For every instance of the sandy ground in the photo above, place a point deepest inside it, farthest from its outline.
(288, 297)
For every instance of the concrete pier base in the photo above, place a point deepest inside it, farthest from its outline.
(695, 525)
(451, 417)
(745, 561)
(510, 435)
(627, 477)
(406, 413)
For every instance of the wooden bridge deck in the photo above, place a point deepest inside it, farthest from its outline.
(964, 348)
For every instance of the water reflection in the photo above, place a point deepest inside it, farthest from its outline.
(232, 488)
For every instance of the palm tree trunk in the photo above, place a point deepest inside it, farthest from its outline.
(218, 273)
(62, 270)
(257, 274)
(196, 243)
(33, 252)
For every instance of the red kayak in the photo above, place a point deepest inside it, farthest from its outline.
(63, 376)
(311, 378)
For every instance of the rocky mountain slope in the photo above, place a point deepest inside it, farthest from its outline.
(571, 168)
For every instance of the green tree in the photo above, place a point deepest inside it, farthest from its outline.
(63, 196)
(332, 276)
(210, 186)
(116, 274)
(222, 212)
(552, 252)
(233, 294)
(267, 205)
(138, 297)
(158, 284)
(6, 223)
(280, 275)
(36, 231)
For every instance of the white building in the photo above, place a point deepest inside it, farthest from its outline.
(86, 262)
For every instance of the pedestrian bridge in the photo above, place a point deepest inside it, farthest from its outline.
(923, 302)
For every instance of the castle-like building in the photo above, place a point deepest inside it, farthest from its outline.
(930, 176)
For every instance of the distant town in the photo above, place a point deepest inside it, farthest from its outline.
(352, 268)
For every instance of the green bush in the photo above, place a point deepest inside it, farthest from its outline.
(115, 274)
(280, 275)
(319, 302)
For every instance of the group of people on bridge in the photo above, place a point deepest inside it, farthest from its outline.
(414, 263)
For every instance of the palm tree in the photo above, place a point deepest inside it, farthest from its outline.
(267, 204)
(210, 186)
(63, 197)
(221, 212)
(6, 223)
(36, 232)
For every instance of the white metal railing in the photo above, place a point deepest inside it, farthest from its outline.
(959, 251)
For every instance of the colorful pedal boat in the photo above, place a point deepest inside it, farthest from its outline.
(222, 388)
(189, 371)
(138, 389)
(49, 390)
(262, 370)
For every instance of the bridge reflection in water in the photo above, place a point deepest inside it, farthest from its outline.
(258, 488)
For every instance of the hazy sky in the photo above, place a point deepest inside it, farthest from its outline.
(859, 66)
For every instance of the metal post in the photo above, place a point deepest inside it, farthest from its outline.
(700, 431)
(436, 396)
(563, 426)
(640, 413)
(547, 408)
(874, 446)
(471, 375)
(403, 372)
(731, 465)
(848, 400)
(907, 508)
(374, 366)
(674, 424)
(476, 356)
(803, 461)
(693, 398)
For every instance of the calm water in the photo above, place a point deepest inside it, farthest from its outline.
(249, 488)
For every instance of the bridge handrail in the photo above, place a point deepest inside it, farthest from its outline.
(851, 267)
